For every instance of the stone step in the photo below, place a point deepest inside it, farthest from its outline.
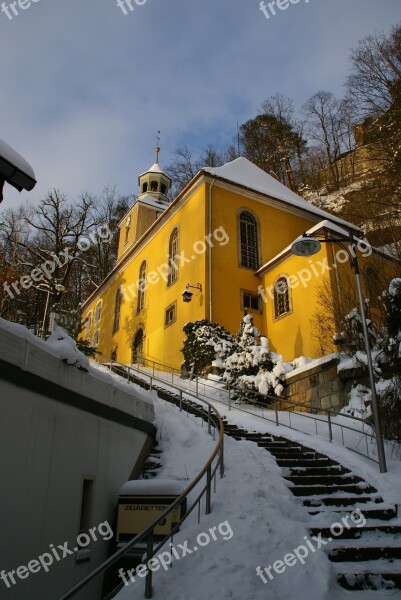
(342, 501)
(314, 471)
(294, 451)
(323, 479)
(297, 455)
(312, 490)
(305, 462)
(357, 532)
(365, 576)
(383, 514)
(358, 554)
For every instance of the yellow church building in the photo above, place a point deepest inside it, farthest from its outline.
(221, 247)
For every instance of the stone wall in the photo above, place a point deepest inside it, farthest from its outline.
(317, 388)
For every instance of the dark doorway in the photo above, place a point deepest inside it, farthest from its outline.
(137, 348)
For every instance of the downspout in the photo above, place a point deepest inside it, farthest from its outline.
(210, 250)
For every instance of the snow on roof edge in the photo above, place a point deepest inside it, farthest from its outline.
(242, 171)
(326, 224)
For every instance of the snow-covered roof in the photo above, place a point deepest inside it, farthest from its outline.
(10, 161)
(154, 487)
(155, 168)
(152, 201)
(245, 173)
(318, 227)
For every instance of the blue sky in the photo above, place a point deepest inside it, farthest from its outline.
(84, 87)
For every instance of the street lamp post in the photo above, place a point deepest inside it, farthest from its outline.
(59, 288)
(308, 245)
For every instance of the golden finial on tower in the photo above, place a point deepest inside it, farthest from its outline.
(157, 149)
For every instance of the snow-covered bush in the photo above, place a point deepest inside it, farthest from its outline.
(65, 348)
(253, 366)
(389, 390)
(206, 344)
(359, 404)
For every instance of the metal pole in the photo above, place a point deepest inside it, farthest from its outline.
(375, 403)
(209, 420)
(276, 411)
(45, 316)
(148, 582)
(222, 460)
(329, 422)
(209, 490)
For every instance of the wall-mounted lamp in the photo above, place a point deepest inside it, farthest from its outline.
(187, 294)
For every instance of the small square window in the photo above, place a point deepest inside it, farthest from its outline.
(170, 314)
(250, 301)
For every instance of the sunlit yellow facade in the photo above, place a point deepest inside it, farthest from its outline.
(205, 229)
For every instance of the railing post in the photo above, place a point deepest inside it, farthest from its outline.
(209, 490)
(222, 459)
(329, 422)
(148, 582)
(180, 400)
(276, 410)
(209, 420)
(111, 364)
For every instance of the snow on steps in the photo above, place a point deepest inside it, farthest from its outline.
(377, 577)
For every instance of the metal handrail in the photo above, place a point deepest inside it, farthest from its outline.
(330, 413)
(209, 470)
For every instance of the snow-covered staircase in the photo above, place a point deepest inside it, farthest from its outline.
(364, 557)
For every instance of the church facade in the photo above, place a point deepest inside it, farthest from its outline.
(222, 247)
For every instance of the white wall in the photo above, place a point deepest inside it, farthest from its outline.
(47, 447)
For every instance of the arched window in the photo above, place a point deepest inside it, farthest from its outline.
(281, 297)
(172, 255)
(95, 339)
(248, 240)
(141, 287)
(117, 309)
(98, 312)
(88, 323)
(153, 186)
(145, 187)
(163, 188)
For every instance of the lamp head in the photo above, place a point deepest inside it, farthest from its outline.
(306, 246)
(187, 295)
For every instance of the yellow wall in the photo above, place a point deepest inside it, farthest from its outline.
(277, 230)
(291, 334)
(160, 342)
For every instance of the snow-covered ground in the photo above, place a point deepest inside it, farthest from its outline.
(255, 504)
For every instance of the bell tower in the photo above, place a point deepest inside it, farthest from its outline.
(154, 182)
(152, 201)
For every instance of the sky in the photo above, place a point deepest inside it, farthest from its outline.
(84, 87)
